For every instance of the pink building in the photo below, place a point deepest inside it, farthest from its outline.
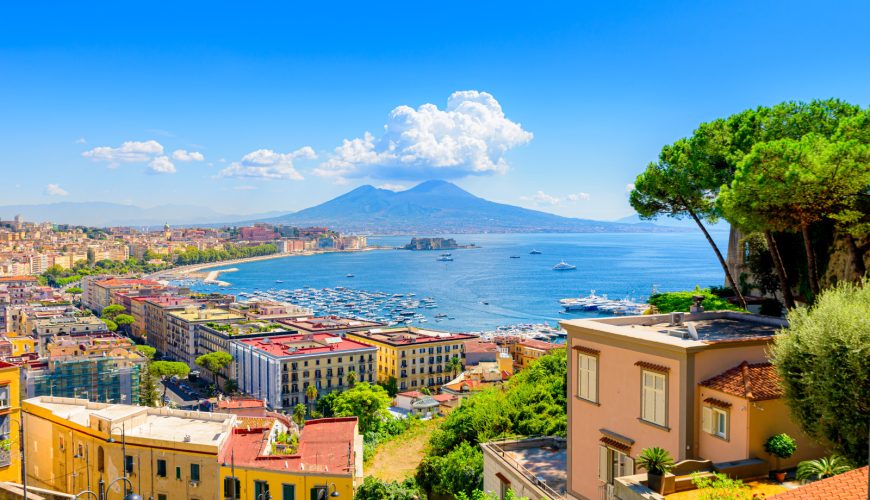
(698, 385)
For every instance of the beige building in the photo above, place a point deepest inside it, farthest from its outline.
(180, 326)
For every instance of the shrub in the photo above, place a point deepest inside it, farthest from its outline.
(656, 460)
(682, 301)
(780, 445)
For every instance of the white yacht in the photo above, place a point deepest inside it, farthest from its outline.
(564, 266)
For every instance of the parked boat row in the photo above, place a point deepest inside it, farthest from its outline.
(603, 304)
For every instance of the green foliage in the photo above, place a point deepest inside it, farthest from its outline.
(384, 430)
(215, 361)
(391, 386)
(231, 386)
(5, 444)
(112, 311)
(375, 489)
(325, 404)
(166, 369)
(780, 445)
(146, 350)
(191, 255)
(221, 327)
(655, 460)
(681, 301)
(351, 378)
(825, 467)
(823, 360)
(57, 276)
(482, 495)
(147, 388)
(367, 401)
(286, 443)
(110, 325)
(74, 290)
(459, 471)
(760, 264)
(720, 487)
(299, 412)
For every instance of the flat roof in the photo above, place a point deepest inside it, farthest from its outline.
(193, 314)
(326, 323)
(546, 458)
(411, 336)
(699, 329)
(301, 344)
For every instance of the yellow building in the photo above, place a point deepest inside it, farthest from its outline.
(20, 344)
(415, 357)
(10, 459)
(74, 445)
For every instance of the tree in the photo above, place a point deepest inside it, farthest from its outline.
(111, 311)
(110, 325)
(167, 369)
(375, 489)
(311, 394)
(231, 386)
(146, 350)
(822, 360)
(351, 378)
(147, 389)
(215, 362)
(299, 414)
(789, 185)
(124, 321)
(325, 404)
(75, 291)
(679, 185)
(366, 401)
(681, 301)
(460, 471)
(454, 365)
(391, 386)
(822, 468)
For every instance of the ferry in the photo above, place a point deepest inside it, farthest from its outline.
(564, 266)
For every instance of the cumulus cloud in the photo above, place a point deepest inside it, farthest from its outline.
(161, 165)
(543, 199)
(183, 155)
(269, 165)
(469, 137)
(392, 187)
(128, 152)
(55, 190)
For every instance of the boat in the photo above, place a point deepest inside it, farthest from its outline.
(279, 281)
(348, 275)
(445, 258)
(564, 266)
(535, 252)
(514, 256)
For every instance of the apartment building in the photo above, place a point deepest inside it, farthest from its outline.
(415, 357)
(216, 337)
(180, 326)
(44, 329)
(269, 310)
(678, 381)
(279, 369)
(335, 325)
(155, 311)
(10, 459)
(97, 290)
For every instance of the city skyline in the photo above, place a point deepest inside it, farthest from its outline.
(555, 109)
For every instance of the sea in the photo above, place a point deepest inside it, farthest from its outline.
(483, 288)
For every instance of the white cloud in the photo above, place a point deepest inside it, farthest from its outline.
(129, 152)
(161, 165)
(245, 188)
(541, 198)
(392, 187)
(629, 187)
(182, 155)
(55, 190)
(267, 164)
(469, 137)
(81, 140)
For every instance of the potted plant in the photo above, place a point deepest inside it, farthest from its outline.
(657, 462)
(781, 446)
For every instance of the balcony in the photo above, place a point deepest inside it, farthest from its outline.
(5, 458)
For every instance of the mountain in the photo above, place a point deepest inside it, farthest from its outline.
(116, 214)
(722, 225)
(434, 207)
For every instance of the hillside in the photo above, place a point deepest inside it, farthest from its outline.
(434, 207)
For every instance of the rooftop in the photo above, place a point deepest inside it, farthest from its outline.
(541, 460)
(248, 327)
(193, 314)
(241, 403)
(539, 344)
(755, 382)
(7, 279)
(300, 344)
(848, 485)
(330, 323)
(693, 330)
(411, 336)
(119, 282)
(473, 346)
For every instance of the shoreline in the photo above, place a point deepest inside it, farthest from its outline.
(202, 271)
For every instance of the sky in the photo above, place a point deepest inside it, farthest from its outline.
(262, 107)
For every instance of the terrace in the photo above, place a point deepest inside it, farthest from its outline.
(533, 467)
(245, 328)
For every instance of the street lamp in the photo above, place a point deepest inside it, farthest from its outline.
(21, 450)
(123, 446)
(335, 492)
(128, 489)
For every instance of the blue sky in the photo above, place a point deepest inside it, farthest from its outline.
(555, 106)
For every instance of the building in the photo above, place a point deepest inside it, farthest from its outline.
(245, 407)
(671, 381)
(155, 311)
(74, 445)
(528, 350)
(45, 329)
(269, 310)
(215, 337)
(334, 325)
(97, 291)
(10, 460)
(424, 405)
(477, 351)
(180, 326)
(532, 468)
(414, 357)
(279, 369)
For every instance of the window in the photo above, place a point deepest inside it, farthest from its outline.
(587, 377)
(612, 464)
(178, 473)
(261, 490)
(194, 472)
(653, 397)
(319, 493)
(288, 492)
(161, 468)
(101, 459)
(232, 488)
(161, 496)
(128, 464)
(715, 421)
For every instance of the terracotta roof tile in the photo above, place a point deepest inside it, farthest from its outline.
(755, 382)
(850, 485)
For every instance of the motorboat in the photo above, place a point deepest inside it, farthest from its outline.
(514, 256)
(535, 252)
(445, 258)
(564, 266)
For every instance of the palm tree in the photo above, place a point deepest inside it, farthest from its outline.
(455, 365)
(812, 470)
(311, 394)
(351, 378)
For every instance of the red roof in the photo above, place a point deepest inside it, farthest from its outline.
(325, 445)
(296, 344)
(850, 485)
(480, 346)
(17, 278)
(539, 344)
(241, 403)
(113, 282)
(443, 398)
(411, 394)
(755, 382)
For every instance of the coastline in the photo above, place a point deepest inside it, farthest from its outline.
(206, 272)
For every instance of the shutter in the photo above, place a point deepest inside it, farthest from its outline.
(593, 378)
(707, 419)
(602, 463)
(629, 466)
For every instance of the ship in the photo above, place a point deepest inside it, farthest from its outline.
(564, 266)
(514, 256)
(445, 257)
(535, 252)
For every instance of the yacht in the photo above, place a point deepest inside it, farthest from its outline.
(349, 275)
(514, 256)
(535, 252)
(564, 266)
(445, 258)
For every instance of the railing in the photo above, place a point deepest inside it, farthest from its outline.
(606, 492)
(499, 449)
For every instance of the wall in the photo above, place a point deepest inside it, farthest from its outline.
(736, 447)
(773, 417)
(304, 482)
